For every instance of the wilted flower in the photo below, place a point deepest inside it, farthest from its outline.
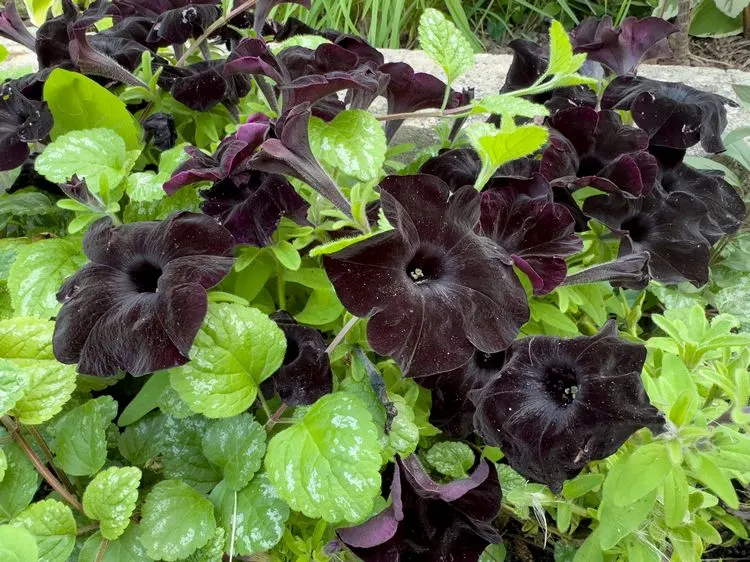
(621, 49)
(139, 303)
(428, 521)
(159, 129)
(674, 115)
(433, 288)
(204, 84)
(594, 148)
(151, 8)
(629, 271)
(305, 375)
(559, 403)
(264, 7)
(22, 121)
(666, 225)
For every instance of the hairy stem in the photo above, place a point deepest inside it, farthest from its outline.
(268, 93)
(195, 45)
(14, 431)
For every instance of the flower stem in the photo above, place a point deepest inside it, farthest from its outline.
(48, 453)
(274, 419)
(264, 405)
(102, 550)
(14, 431)
(280, 286)
(455, 112)
(195, 45)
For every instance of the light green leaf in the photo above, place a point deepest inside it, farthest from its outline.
(146, 400)
(183, 200)
(78, 103)
(12, 385)
(404, 434)
(500, 147)
(140, 441)
(353, 143)
(18, 486)
(176, 521)
(125, 549)
(340, 244)
(3, 464)
(236, 349)
(237, 445)
(561, 58)
(287, 254)
(145, 186)
(27, 343)
(445, 44)
(81, 438)
(590, 550)
(37, 9)
(675, 494)
(451, 458)
(327, 465)
(581, 484)
(212, 551)
(323, 307)
(708, 21)
(494, 553)
(17, 545)
(3, 56)
(743, 92)
(651, 463)
(52, 525)
(254, 514)
(9, 249)
(37, 274)
(509, 106)
(110, 498)
(712, 476)
(731, 8)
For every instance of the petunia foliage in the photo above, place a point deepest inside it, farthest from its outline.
(246, 313)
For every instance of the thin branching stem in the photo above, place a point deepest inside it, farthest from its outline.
(48, 453)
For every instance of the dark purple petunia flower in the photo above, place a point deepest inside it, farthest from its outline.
(457, 167)
(594, 148)
(202, 85)
(411, 91)
(621, 49)
(452, 410)
(180, 24)
(121, 9)
(559, 403)
(539, 234)
(22, 121)
(77, 190)
(159, 129)
(139, 303)
(674, 115)
(629, 271)
(666, 225)
(113, 63)
(433, 289)
(428, 521)
(13, 28)
(305, 375)
(264, 7)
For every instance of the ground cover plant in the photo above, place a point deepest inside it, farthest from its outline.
(242, 318)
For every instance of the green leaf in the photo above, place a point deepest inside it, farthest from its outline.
(731, 8)
(3, 464)
(675, 494)
(110, 498)
(146, 400)
(494, 553)
(145, 186)
(708, 21)
(81, 438)
(12, 385)
(18, 486)
(176, 521)
(17, 545)
(509, 106)
(180, 445)
(328, 464)
(638, 551)
(78, 103)
(404, 434)
(125, 549)
(9, 249)
(323, 307)
(561, 58)
(37, 9)
(237, 445)
(260, 515)
(3, 53)
(38, 272)
(287, 254)
(183, 200)
(212, 551)
(651, 463)
(498, 148)
(581, 484)
(712, 476)
(445, 44)
(236, 349)
(590, 550)
(27, 343)
(353, 143)
(451, 458)
(52, 525)
(140, 442)
(743, 92)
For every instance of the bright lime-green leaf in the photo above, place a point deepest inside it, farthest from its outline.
(494, 553)
(403, 436)
(260, 515)
(451, 458)
(3, 464)
(3, 53)
(9, 249)
(287, 254)
(323, 307)
(445, 44)
(638, 551)
(81, 448)
(12, 385)
(17, 545)
(37, 9)
(176, 521)
(712, 476)
(353, 144)
(78, 103)
(581, 485)
(52, 525)
(237, 446)
(27, 343)
(327, 465)
(145, 186)
(561, 59)
(590, 550)
(236, 349)
(19, 484)
(125, 549)
(651, 463)
(38, 272)
(675, 494)
(110, 498)
(509, 106)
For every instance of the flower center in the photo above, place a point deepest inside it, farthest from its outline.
(145, 275)
(589, 166)
(489, 361)
(561, 384)
(424, 266)
(638, 227)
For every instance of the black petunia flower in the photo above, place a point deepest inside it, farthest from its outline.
(539, 234)
(428, 521)
(666, 225)
(456, 167)
(176, 26)
(139, 303)
(629, 271)
(22, 121)
(560, 403)
(121, 9)
(159, 129)
(621, 49)
(13, 28)
(264, 7)
(590, 148)
(305, 375)
(674, 115)
(202, 85)
(434, 290)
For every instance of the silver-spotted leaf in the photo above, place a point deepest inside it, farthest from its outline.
(237, 446)
(110, 498)
(52, 525)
